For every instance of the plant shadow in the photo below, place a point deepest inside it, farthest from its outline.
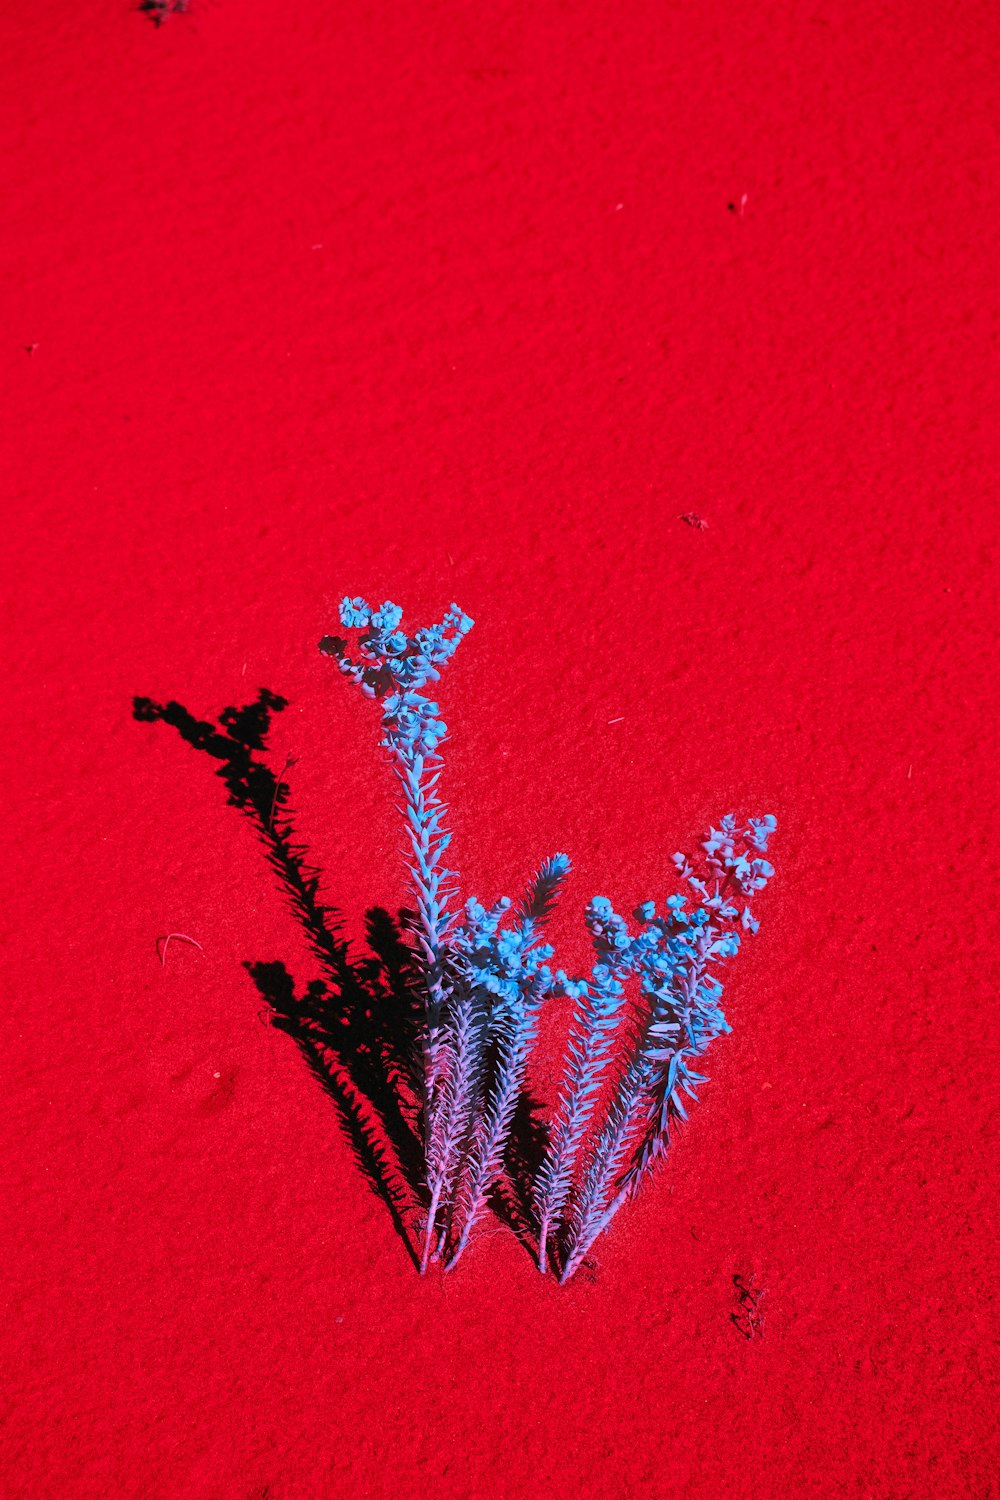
(356, 1027)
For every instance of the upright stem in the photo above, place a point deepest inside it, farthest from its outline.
(424, 812)
(543, 1242)
(594, 1026)
(609, 1154)
(493, 1131)
(429, 1244)
(597, 1228)
(454, 1109)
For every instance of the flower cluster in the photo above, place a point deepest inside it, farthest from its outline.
(487, 975)
(736, 874)
(507, 962)
(389, 659)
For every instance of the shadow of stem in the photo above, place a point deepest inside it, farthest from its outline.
(357, 1027)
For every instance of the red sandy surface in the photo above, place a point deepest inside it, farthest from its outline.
(445, 301)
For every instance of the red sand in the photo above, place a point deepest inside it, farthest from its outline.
(445, 301)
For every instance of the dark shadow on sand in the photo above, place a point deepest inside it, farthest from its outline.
(356, 1027)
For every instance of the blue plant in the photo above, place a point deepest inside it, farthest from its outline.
(486, 978)
(681, 1017)
(392, 668)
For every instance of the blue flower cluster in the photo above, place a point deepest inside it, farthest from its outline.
(501, 962)
(389, 658)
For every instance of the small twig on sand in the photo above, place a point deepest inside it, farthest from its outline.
(181, 937)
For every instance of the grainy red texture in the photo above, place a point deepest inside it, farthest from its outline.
(445, 301)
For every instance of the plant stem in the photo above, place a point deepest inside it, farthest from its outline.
(492, 1134)
(543, 1240)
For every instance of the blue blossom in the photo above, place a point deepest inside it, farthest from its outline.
(726, 946)
(759, 830)
(354, 614)
(386, 618)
